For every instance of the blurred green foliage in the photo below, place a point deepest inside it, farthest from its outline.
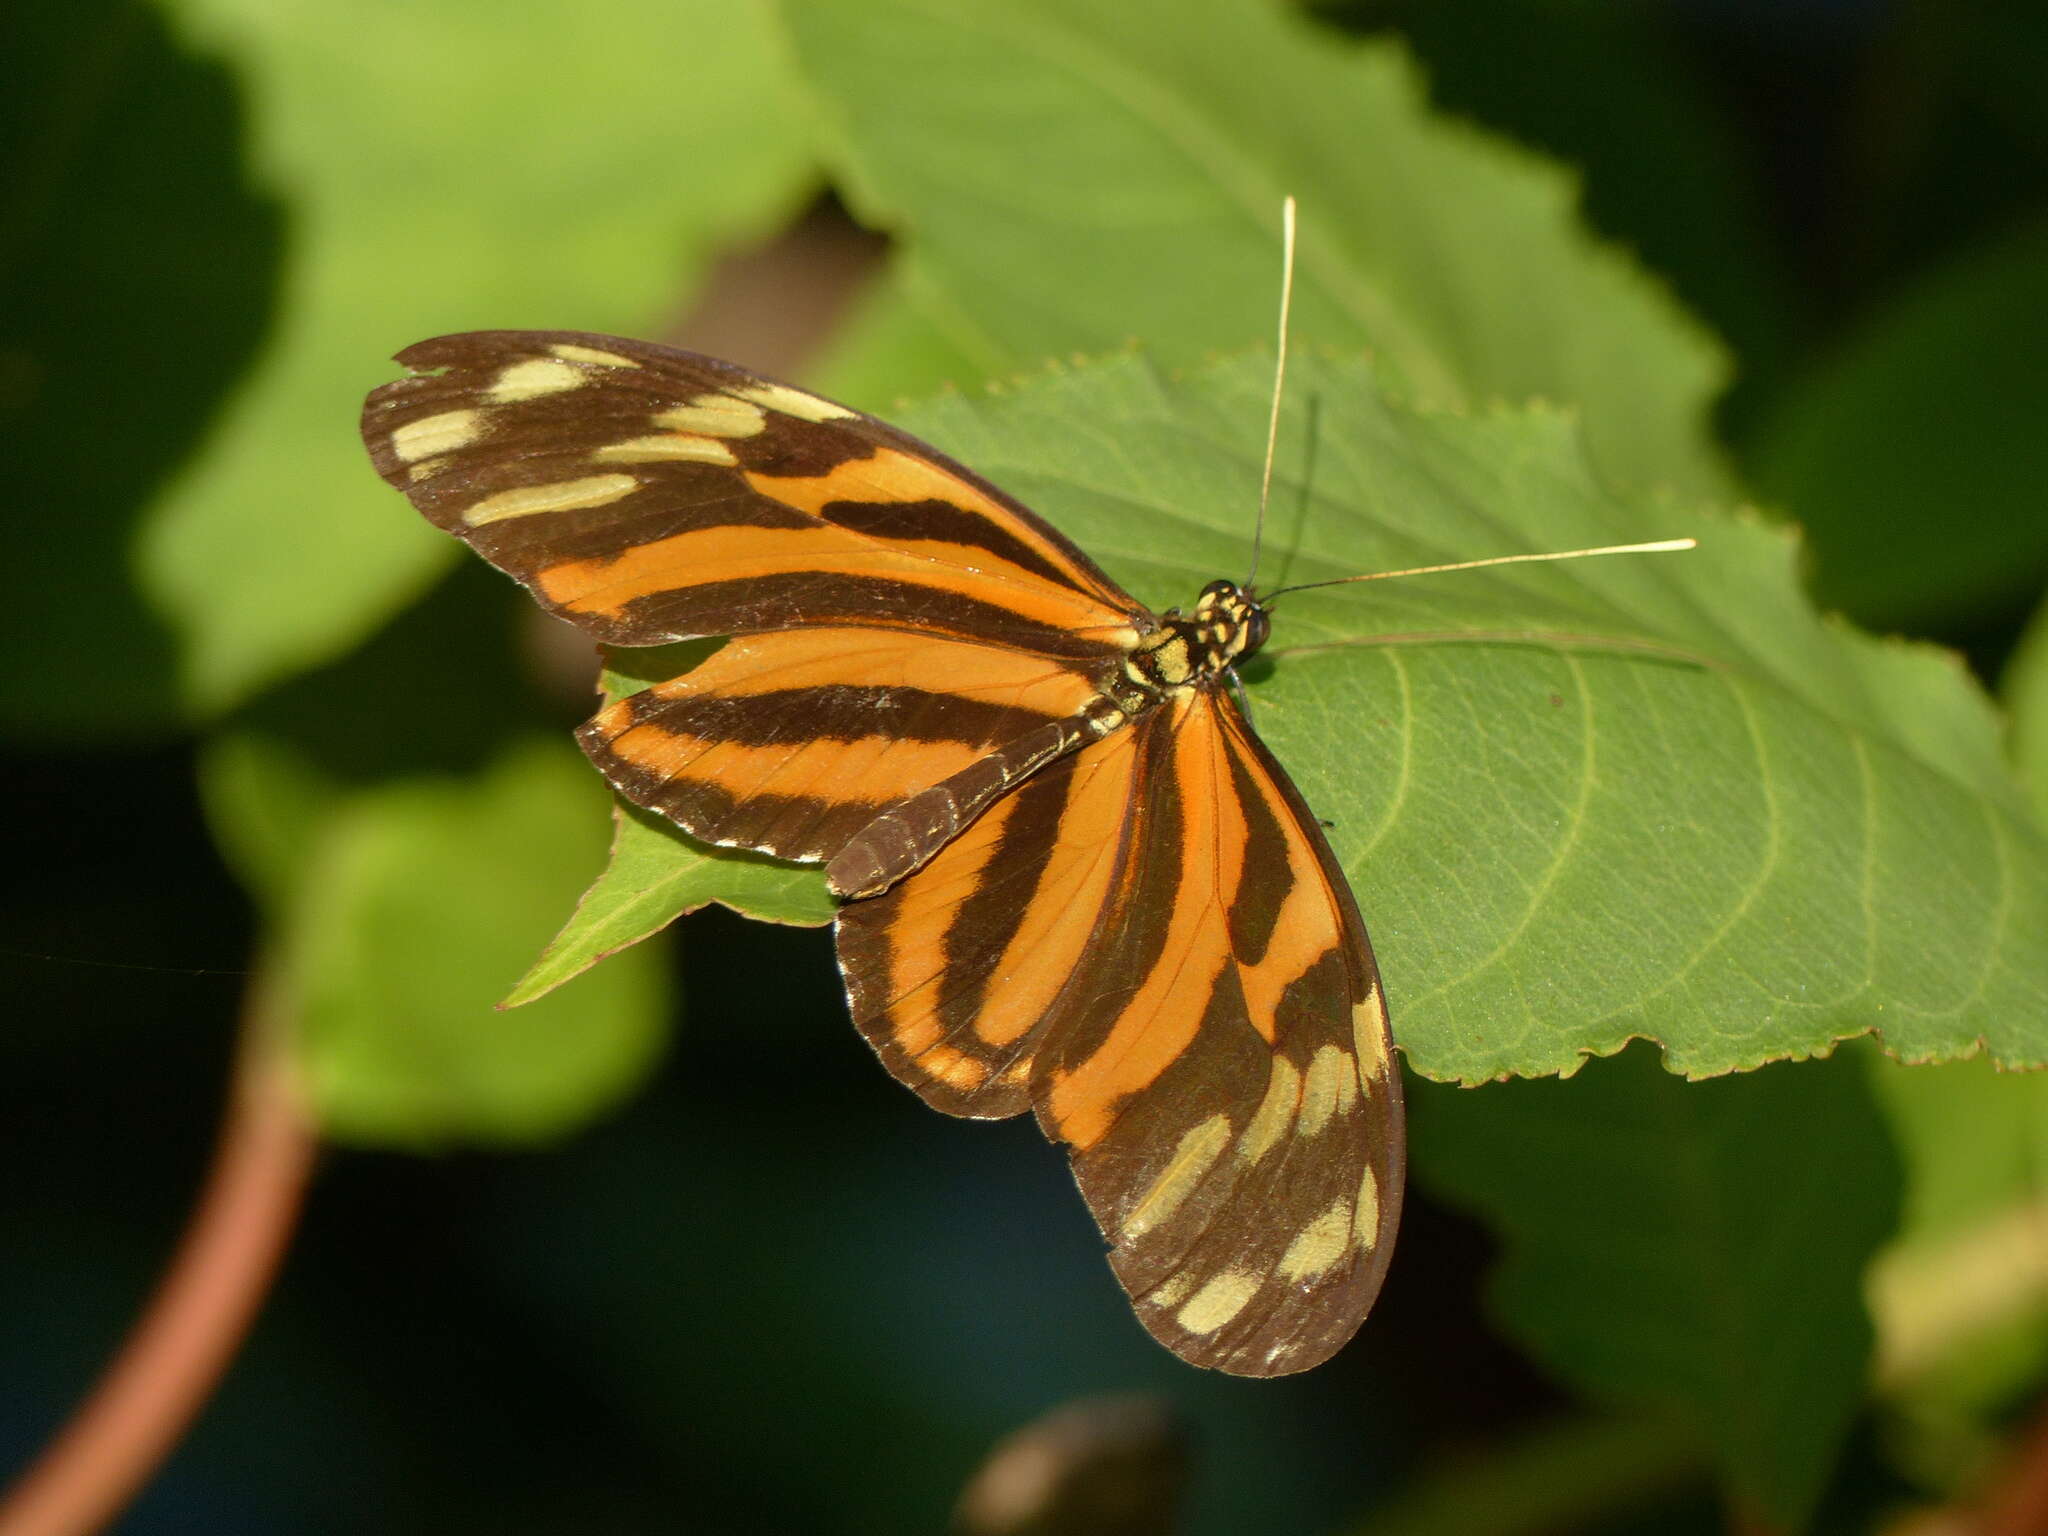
(107, 239)
(768, 1292)
(1748, 1205)
(1913, 453)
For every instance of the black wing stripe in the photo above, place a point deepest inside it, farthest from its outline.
(646, 611)
(833, 711)
(767, 745)
(934, 521)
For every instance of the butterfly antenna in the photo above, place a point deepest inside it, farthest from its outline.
(1279, 378)
(1656, 547)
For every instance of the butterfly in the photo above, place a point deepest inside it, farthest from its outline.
(1074, 881)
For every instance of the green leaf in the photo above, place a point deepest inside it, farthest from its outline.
(421, 898)
(2025, 690)
(1560, 842)
(1690, 1247)
(1914, 456)
(575, 168)
(656, 872)
(1146, 151)
(1645, 129)
(1579, 803)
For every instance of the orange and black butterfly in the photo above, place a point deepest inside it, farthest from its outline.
(1074, 881)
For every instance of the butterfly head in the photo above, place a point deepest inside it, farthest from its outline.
(1229, 626)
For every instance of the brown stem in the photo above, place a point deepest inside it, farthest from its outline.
(2018, 1506)
(203, 1306)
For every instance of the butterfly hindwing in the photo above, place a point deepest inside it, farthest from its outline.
(793, 742)
(1205, 1032)
(957, 974)
(1232, 1102)
(647, 494)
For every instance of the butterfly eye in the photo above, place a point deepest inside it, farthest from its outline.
(1257, 627)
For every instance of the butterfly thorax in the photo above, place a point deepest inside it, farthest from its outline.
(1227, 626)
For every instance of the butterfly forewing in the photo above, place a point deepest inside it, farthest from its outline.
(1082, 886)
(647, 495)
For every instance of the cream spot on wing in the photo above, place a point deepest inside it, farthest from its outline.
(666, 446)
(568, 351)
(1276, 1113)
(565, 496)
(1170, 1291)
(436, 434)
(1368, 1222)
(793, 402)
(533, 377)
(1320, 1244)
(1220, 1299)
(1369, 1033)
(426, 469)
(714, 415)
(954, 1067)
(1196, 1154)
(1331, 1089)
